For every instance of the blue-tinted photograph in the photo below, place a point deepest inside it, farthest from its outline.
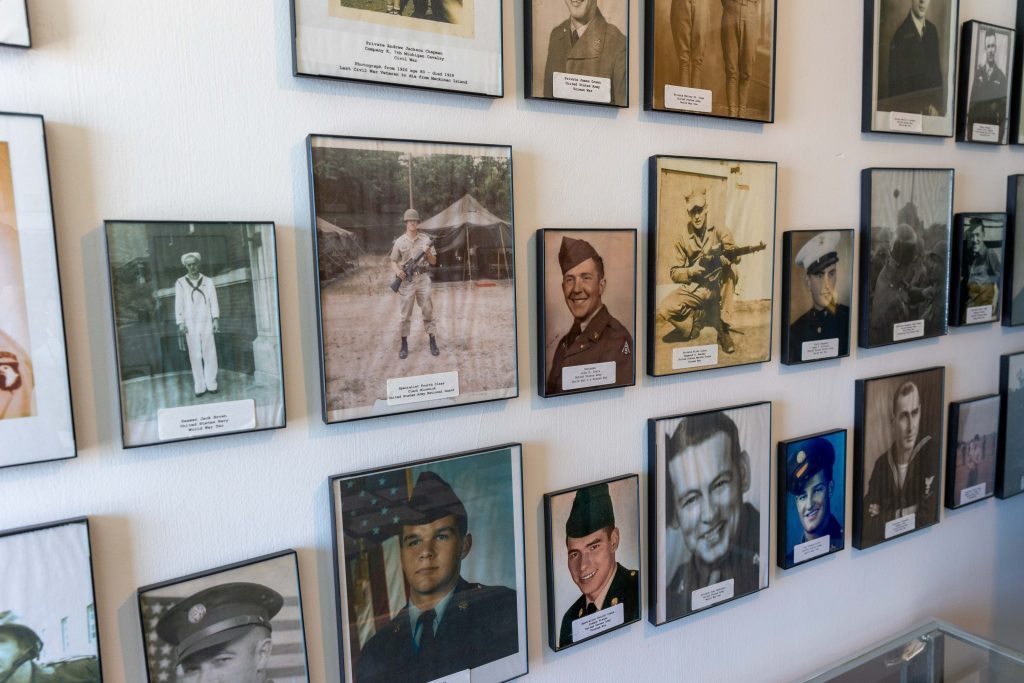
(812, 473)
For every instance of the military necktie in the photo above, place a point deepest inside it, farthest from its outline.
(426, 624)
(574, 38)
(591, 608)
(574, 332)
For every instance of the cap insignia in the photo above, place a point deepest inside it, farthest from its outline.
(464, 605)
(801, 457)
(196, 613)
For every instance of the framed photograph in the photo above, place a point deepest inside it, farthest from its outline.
(416, 290)
(710, 487)
(971, 450)
(817, 291)
(430, 570)
(1010, 460)
(977, 268)
(1013, 253)
(592, 538)
(48, 624)
(445, 45)
(1017, 85)
(909, 66)
(197, 329)
(711, 58)
(586, 303)
(811, 514)
(983, 91)
(906, 220)
(14, 31)
(897, 455)
(35, 395)
(710, 264)
(242, 622)
(577, 51)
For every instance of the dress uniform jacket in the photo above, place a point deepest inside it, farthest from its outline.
(814, 325)
(480, 625)
(835, 538)
(624, 590)
(605, 339)
(915, 71)
(599, 52)
(920, 488)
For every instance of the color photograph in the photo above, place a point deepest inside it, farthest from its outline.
(972, 447)
(977, 268)
(812, 497)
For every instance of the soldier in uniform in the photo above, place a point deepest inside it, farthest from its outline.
(595, 336)
(20, 648)
(222, 633)
(592, 539)
(16, 382)
(988, 92)
(809, 480)
(412, 248)
(983, 270)
(826, 318)
(197, 313)
(586, 44)
(904, 291)
(448, 624)
(914, 82)
(741, 20)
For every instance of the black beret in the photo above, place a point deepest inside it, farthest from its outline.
(804, 462)
(591, 511)
(574, 252)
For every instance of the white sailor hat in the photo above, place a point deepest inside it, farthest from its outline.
(819, 253)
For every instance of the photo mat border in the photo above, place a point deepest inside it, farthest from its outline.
(952, 439)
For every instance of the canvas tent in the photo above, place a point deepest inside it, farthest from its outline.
(337, 248)
(471, 242)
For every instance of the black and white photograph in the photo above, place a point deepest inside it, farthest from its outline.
(240, 623)
(197, 328)
(1010, 458)
(972, 445)
(977, 268)
(430, 569)
(444, 45)
(48, 625)
(811, 504)
(586, 303)
(897, 462)
(35, 395)
(709, 500)
(710, 263)
(906, 226)
(577, 51)
(983, 90)
(1013, 253)
(416, 290)
(14, 30)
(909, 66)
(711, 58)
(592, 547)
(817, 292)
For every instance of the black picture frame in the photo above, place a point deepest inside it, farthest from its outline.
(200, 610)
(1013, 262)
(52, 442)
(927, 484)
(1010, 458)
(980, 447)
(439, 76)
(618, 587)
(122, 347)
(619, 347)
(787, 509)
(908, 110)
(658, 513)
(966, 292)
(534, 90)
(28, 31)
(878, 220)
(506, 265)
(815, 328)
(516, 663)
(660, 362)
(969, 113)
(1017, 89)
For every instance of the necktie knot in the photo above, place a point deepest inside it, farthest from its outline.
(591, 608)
(575, 36)
(426, 626)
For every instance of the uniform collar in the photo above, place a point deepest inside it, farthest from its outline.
(439, 610)
(919, 24)
(590, 43)
(599, 603)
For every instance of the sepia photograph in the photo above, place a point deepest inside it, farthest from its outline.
(14, 31)
(240, 623)
(710, 264)
(430, 569)
(897, 455)
(983, 91)
(909, 66)
(197, 329)
(35, 396)
(577, 51)
(906, 226)
(976, 278)
(48, 626)
(416, 256)
(817, 291)
(711, 58)
(812, 511)
(710, 485)
(971, 450)
(586, 303)
(592, 549)
(1013, 254)
(1010, 457)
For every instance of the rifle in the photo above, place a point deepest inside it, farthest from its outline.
(712, 260)
(413, 263)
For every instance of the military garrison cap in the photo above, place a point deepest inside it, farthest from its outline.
(217, 615)
(819, 253)
(574, 252)
(815, 456)
(433, 499)
(591, 511)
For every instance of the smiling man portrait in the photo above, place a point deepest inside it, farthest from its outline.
(586, 44)
(811, 485)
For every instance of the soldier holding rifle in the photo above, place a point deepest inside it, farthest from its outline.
(410, 255)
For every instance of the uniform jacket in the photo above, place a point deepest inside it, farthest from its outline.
(480, 625)
(624, 589)
(920, 488)
(195, 302)
(605, 339)
(915, 71)
(404, 248)
(600, 52)
(694, 247)
(988, 99)
(814, 325)
(835, 538)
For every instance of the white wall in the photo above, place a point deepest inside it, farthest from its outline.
(188, 110)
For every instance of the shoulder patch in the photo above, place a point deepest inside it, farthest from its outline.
(625, 348)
